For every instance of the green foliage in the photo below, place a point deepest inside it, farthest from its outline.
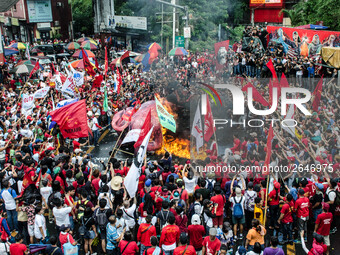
(83, 16)
(205, 16)
(313, 11)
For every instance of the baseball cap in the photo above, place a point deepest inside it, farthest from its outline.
(238, 191)
(148, 183)
(277, 185)
(212, 232)
(325, 206)
(319, 186)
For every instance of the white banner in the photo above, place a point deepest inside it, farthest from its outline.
(66, 102)
(78, 78)
(58, 83)
(132, 136)
(69, 86)
(41, 93)
(196, 130)
(27, 101)
(132, 178)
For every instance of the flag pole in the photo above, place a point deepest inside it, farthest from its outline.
(114, 148)
(266, 201)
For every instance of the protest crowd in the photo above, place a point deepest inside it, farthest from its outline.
(55, 200)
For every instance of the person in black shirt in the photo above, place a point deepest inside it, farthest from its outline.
(52, 248)
(316, 200)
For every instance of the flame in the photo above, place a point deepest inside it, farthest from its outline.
(176, 146)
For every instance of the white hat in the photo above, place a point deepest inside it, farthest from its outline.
(90, 113)
(77, 151)
(116, 182)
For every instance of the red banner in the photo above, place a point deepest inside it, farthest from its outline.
(72, 120)
(221, 49)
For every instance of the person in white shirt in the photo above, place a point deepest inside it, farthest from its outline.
(189, 182)
(128, 213)
(120, 222)
(45, 192)
(61, 214)
(39, 224)
(8, 195)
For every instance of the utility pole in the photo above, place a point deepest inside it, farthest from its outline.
(185, 8)
(162, 27)
(173, 24)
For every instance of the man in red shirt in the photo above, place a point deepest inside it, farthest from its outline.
(323, 224)
(196, 232)
(211, 245)
(220, 201)
(144, 234)
(18, 248)
(302, 212)
(286, 219)
(184, 248)
(169, 236)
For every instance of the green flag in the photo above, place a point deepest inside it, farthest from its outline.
(165, 118)
(105, 104)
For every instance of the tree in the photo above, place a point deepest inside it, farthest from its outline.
(313, 11)
(83, 16)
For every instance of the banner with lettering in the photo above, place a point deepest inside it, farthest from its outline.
(165, 118)
(41, 93)
(27, 101)
(69, 86)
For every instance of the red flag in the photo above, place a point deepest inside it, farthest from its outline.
(269, 151)
(53, 69)
(125, 55)
(87, 64)
(256, 95)
(271, 68)
(283, 82)
(209, 128)
(72, 120)
(106, 62)
(35, 68)
(97, 81)
(119, 80)
(145, 130)
(317, 95)
(96, 63)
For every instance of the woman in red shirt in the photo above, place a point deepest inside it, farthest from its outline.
(273, 202)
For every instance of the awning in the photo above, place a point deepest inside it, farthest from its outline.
(44, 29)
(5, 5)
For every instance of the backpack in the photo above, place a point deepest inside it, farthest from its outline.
(101, 218)
(337, 197)
(4, 235)
(210, 186)
(250, 201)
(81, 213)
(164, 221)
(238, 212)
(191, 210)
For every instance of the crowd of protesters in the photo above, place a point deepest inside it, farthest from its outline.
(53, 193)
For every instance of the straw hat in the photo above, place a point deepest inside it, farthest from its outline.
(116, 182)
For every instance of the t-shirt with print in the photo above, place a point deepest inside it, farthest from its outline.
(211, 246)
(30, 211)
(324, 220)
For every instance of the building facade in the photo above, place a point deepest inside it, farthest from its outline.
(34, 20)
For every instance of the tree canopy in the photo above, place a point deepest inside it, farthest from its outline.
(313, 11)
